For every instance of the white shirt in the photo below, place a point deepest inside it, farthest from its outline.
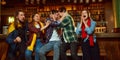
(37, 26)
(54, 36)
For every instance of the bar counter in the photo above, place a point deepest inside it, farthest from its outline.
(109, 42)
(98, 35)
(2, 36)
(108, 35)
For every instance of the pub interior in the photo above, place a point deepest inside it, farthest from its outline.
(105, 12)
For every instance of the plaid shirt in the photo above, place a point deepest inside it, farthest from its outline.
(68, 29)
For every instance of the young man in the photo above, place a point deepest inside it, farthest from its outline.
(17, 37)
(52, 38)
(69, 37)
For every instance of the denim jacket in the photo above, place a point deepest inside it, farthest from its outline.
(89, 30)
(50, 28)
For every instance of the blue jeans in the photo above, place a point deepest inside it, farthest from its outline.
(28, 53)
(52, 45)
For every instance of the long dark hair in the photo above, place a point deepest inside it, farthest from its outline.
(16, 19)
(33, 17)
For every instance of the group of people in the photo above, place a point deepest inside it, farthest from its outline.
(58, 33)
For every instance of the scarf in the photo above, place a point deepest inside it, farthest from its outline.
(31, 46)
(12, 27)
(84, 33)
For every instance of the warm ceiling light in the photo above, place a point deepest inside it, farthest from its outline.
(75, 1)
(93, 0)
(87, 1)
(38, 1)
(3, 2)
(62, 0)
(81, 1)
(32, 2)
(68, 0)
(26, 2)
(100, 0)
(43, 1)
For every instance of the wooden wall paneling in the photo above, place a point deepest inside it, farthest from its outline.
(109, 17)
(0, 25)
(3, 50)
(112, 48)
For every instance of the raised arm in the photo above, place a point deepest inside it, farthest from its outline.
(78, 29)
(91, 29)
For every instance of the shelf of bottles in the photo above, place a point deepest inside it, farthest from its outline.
(96, 9)
(97, 14)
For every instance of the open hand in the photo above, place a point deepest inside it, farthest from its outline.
(48, 23)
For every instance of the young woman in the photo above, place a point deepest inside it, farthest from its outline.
(17, 37)
(36, 34)
(86, 29)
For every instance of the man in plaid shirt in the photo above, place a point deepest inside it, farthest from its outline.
(69, 37)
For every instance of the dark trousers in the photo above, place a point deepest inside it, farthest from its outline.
(90, 53)
(73, 48)
(12, 52)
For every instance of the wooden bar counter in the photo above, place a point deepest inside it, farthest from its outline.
(3, 47)
(109, 42)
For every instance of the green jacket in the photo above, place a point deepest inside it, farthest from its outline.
(68, 29)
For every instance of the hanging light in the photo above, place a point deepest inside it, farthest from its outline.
(93, 0)
(68, 0)
(26, 2)
(43, 1)
(32, 2)
(81, 1)
(75, 1)
(3, 2)
(62, 0)
(38, 1)
(100, 0)
(87, 1)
